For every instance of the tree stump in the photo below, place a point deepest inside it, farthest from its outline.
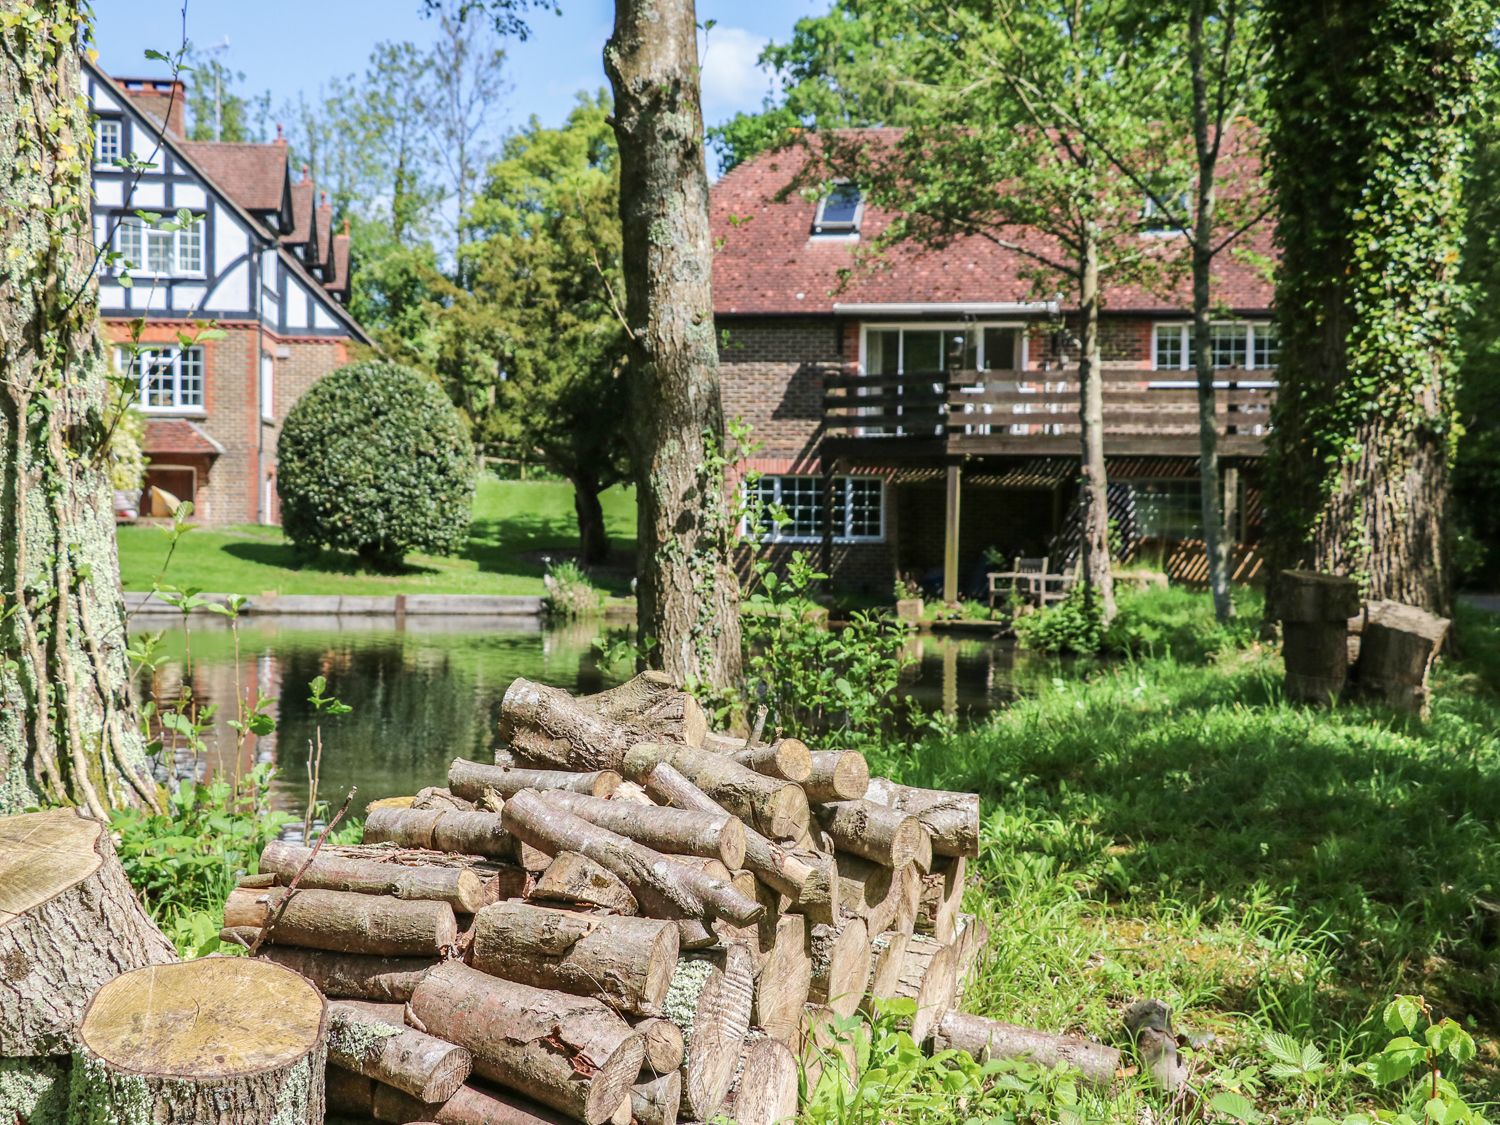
(1398, 646)
(69, 922)
(218, 1041)
(1315, 613)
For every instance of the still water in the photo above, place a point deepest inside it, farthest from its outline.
(426, 693)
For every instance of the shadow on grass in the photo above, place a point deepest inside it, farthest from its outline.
(287, 557)
(514, 544)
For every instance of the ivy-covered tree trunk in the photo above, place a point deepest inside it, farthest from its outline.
(1369, 145)
(68, 729)
(1097, 573)
(687, 594)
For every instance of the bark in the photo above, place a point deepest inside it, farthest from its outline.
(951, 818)
(471, 833)
(783, 981)
(352, 976)
(656, 1101)
(765, 1085)
(837, 775)
(987, 1039)
(217, 1041)
(626, 963)
(717, 836)
(340, 922)
(459, 887)
(776, 808)
(687, 592)
(576, 879)
(429, 1069)
(1097, 575)
(929, 976)
(1397, 649)
(547, 727)
(593, 534)
(434, 798)
(568, 1052)
(786, 758)
(664, 1046)
(710, 999)
(470, 779)
(471, 1105)
(68, 730)
(878, 833)
(663, 887)
(68, 923)
(840, 964)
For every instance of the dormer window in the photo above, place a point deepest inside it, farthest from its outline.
(839, 211)
(1172, 218)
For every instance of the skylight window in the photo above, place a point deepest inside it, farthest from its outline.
(1170, 219)
(839, 211)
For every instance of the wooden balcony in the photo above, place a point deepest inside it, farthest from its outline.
(1035, 413)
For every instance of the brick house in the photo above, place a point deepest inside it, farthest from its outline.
(261, 261)
(922, 411)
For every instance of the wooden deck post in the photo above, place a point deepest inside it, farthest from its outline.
(950, 535)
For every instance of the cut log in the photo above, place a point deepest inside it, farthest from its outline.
(929, 976)
(471, 779)
(693, 934)
(218, 1041)
(987, 1039)
(653, 699)
(906, 890)
(352, 976)
(626, 963)
(656, 1101)
(1399, 645)
(459, 887)
(764, 1091)
(569, 1052)
(471, 833)
(69, 922)
(825, 1052)
(878, 833)
(1315, 610)
(664, 1046)
(1307, 596)
(390, 1012)
(717, 836)
(341, 922)
(808, 881)
(867, 889)
(710, 998)
(783, 980)
(551, 728)
(407, 827)
(434, 799)
(840, 964)
(771, 806)
(970, 939)
(577, 879)
(940, 897)
(952, 819)
(347, 1094)
(786, 758)
(664, 888)
(887, 955)
(837, 775)
(429, 1069)
(473, 1104)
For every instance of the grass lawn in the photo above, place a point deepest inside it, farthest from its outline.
(514, 523)
(1172, 827)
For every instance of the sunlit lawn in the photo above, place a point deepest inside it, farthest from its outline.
(515, 524)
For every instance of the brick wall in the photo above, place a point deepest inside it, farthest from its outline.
(771, 372)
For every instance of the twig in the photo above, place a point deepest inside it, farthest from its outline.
(274, 915)
(759, 728)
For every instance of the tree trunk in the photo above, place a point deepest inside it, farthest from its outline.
(1097, 575)
(68, 923)
(68, 732)
(593, 536)
(687, 593)
(1215, 535)
(249, 1036)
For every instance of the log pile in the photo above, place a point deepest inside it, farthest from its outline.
(627, 916)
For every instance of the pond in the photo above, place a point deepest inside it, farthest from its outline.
(430, 691)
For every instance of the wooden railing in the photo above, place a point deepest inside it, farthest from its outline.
(1145, 412)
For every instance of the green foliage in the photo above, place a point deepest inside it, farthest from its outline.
(216, 110)
(1074, 625)
(374, 459)
(184, 861)
(570, 593)
(127, 457)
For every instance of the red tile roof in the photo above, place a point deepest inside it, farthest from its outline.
(254, 175)
(324, 218)
(769, 262)
(178, 435)
(303, 191)
(338, 279)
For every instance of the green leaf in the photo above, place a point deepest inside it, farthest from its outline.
(1237, 1106)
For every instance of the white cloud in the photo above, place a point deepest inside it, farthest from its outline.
(732, 78)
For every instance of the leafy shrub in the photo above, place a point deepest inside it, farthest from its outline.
(1163, 621)
(1074, 625)
(570, 594)
(375, 459)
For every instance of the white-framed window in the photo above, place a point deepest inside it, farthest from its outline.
(922, 349)
(147, 248)
(858, 508)
(1171, 219)
(170, 378)
(106, 141)
(1248, 345)
(840, 211)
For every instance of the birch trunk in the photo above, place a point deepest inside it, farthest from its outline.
(1097, 575)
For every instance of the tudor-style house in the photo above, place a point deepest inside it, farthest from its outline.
(919, 416)
(259, 259)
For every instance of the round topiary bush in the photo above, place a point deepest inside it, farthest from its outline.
(375, 459)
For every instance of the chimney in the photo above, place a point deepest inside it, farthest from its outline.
(305, 173)
(164, 100)
(280, 134)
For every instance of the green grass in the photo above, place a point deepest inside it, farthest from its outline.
(1171, 826)
(514, 523)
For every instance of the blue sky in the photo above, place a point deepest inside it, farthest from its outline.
(291, 45)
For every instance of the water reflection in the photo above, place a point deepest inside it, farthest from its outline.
(431, 691)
